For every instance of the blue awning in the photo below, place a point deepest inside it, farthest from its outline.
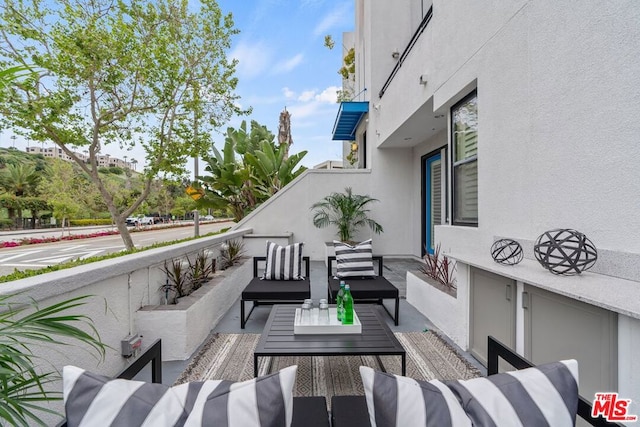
(349, 116)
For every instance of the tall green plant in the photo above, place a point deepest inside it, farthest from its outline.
(272, 169)
(23, 378)
(347, 212)
(248, 171)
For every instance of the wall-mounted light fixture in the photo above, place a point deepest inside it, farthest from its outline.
(423, 79)
(395, 54)
(354, 146)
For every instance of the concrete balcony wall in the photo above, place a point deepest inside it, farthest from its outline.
(289, 211)
(118, 288)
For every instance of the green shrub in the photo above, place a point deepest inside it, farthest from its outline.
(6, 223)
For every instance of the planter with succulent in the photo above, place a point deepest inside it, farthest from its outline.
(202, 293)
(230, 253)
(183, 326)
(440, 271)
(183, 277)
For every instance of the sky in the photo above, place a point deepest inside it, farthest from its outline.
(283, 63)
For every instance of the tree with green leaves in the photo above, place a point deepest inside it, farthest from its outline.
(347, 71)
(249, 170)
(153, 74)
(272, 169)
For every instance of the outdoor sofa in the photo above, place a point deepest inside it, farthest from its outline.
(352, 411)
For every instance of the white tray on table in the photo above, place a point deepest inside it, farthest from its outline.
(334, 326)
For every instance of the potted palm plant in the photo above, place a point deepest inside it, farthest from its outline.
(347, 212)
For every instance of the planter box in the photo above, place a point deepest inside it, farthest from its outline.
(185, 325)
(448, 313)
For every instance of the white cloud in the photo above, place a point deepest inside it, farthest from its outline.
(311, 109)
(307, 95)
(329, 95)
(341, 14)
(252, 58)
(288, 93)
(289, 64)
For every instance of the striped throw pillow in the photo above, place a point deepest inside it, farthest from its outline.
(545, 395)
(396, 401)
(92, 399)
(354, 261)
(284, 262)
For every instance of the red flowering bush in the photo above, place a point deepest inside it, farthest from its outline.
(36, 240)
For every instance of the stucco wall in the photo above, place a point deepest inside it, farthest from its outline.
(117, 287)
(557, 113)
(289, 211)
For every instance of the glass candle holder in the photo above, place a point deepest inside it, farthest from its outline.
(323, 314)
(305, 316)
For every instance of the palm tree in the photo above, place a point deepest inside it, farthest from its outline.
(19, 180)
(346, 211)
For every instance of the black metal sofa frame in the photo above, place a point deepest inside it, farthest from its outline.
(309, 411)
(368, 289)
(261, 291)
(351, 411)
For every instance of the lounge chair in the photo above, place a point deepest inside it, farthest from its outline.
(365, 289)
(262, 291)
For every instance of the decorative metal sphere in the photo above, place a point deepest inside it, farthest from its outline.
(506, 251)
(565, 252)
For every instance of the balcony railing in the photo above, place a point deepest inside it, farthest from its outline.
(405, 53)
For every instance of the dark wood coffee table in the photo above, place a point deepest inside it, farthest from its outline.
(376, 338)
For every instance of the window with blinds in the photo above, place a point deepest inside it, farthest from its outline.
(464, 125)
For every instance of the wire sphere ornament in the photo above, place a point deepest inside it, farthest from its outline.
(506, 251)
(565, 252)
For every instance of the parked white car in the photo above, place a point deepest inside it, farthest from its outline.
(139, 220)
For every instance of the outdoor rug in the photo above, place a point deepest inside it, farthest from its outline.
(230, 357)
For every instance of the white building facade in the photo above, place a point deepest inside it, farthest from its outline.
(483, 121)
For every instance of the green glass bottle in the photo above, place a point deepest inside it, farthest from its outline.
(339, 300)
(347, 306)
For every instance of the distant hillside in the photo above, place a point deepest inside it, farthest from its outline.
(9, 156)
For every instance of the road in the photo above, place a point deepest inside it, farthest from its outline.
(29, 257)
